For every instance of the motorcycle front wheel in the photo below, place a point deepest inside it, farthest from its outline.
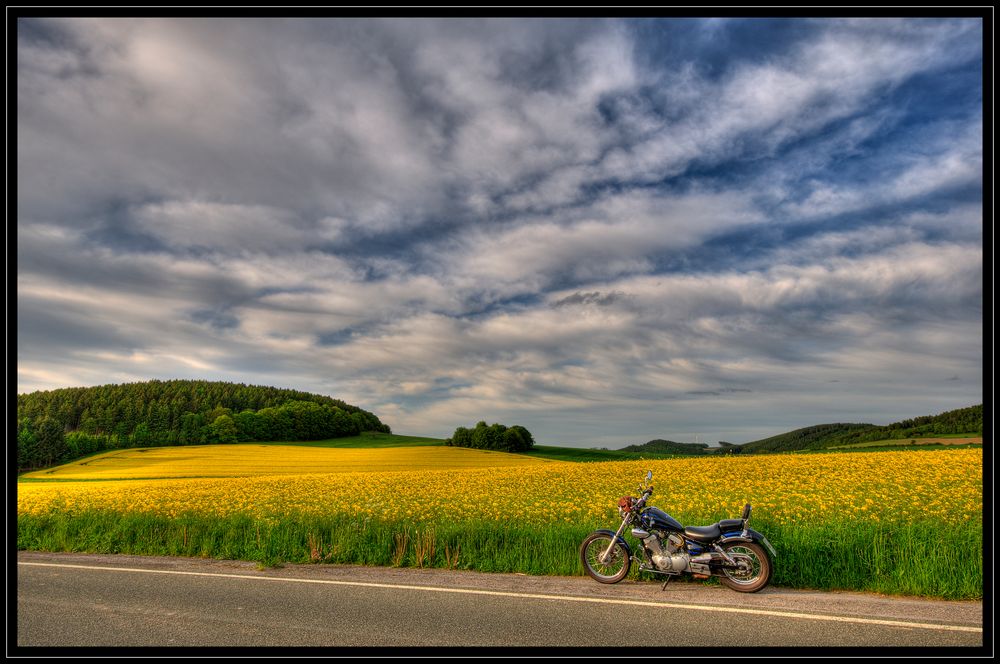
(755, 567)
(612, 569)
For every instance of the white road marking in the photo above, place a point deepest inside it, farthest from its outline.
(564, 598)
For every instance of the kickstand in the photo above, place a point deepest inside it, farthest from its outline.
(666, 582)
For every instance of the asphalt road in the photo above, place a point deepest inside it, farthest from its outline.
(110, 601)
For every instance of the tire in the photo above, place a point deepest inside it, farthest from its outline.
(758, 572)
(615, 569)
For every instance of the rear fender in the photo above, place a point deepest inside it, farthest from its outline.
(752, 536)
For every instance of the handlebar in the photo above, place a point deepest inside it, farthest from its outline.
(630, 504)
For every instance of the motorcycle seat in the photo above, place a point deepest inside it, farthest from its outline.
(709, 533)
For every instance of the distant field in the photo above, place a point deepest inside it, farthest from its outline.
(373, 439)
(366, 439)
(580, 454)
(906, 442)
(259, 459)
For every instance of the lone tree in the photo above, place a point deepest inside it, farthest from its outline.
(517, 439)
(493, 437)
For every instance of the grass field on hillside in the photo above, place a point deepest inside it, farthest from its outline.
(581, 454)
(933, 441)
(366, 439)
(256, 459)
(371, 439)
(375, 439)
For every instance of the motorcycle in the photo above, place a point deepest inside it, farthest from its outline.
(740, 557)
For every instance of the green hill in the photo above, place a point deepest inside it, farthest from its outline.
(660, 446)
(59, 425)
(824, 436)
(808, 438)
(961, 421)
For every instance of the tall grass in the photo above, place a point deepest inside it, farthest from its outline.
(910, 559)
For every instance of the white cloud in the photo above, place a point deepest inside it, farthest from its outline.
(759, 107)
(228, 227)
(934, 168)
(452, 221)
(619, 234)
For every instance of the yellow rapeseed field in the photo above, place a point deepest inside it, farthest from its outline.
(256, 460)
(461, 484)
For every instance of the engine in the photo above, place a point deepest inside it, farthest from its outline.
(668, 556)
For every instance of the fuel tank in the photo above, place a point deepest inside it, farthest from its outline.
(654, 517)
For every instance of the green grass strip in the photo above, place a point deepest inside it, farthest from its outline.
(920, 559)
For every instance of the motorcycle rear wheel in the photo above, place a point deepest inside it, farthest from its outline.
(757, 571)
(615, 568)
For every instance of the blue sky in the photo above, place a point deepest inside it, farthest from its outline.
(604, 230)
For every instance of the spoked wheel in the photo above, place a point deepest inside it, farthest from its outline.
(754, 570)
(602, 565)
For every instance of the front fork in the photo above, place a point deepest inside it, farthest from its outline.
(606, 556)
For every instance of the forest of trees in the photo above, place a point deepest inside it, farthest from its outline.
(59, 425)
(493, 437)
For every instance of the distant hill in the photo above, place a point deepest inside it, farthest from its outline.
(963, 420)
(57, 425)
(808, 438)
(660, 446)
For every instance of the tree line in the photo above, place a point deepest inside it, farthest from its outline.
(59, 425)
(493, 437)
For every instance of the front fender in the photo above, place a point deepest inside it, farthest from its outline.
(752, 536)
(611, 534)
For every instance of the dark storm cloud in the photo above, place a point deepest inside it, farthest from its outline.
(541, 221)
(596, 298)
